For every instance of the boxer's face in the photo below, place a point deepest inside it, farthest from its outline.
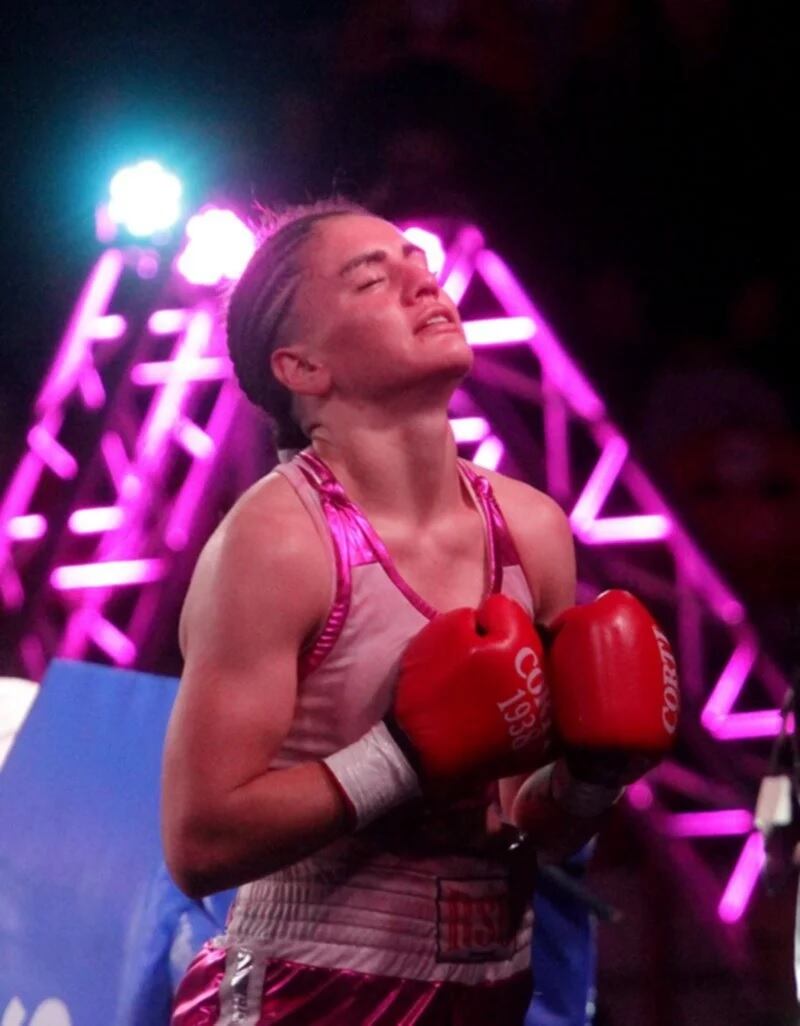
(371, 311)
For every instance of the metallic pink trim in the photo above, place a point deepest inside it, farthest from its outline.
(504, 552)
(332, 500)
(482, 491)
(196, 1002)
(337, 497)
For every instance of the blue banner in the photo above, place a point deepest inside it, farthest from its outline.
(92, 930)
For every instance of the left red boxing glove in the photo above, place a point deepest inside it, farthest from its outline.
(614, 693)
(613, 679)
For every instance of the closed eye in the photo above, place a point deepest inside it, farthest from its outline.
(367, 284)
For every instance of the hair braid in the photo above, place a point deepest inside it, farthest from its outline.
(259, 306)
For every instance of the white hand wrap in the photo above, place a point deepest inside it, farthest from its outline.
(373, 774)
(579, 797)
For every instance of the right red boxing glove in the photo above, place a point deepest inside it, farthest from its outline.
(471, 697)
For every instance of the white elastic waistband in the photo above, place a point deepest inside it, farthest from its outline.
(387, 920)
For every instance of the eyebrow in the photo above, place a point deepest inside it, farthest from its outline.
(377, 256)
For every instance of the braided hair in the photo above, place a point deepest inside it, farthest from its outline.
(260, 304)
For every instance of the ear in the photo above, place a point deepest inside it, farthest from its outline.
(299, 372)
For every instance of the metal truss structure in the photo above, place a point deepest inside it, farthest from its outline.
(134, 440)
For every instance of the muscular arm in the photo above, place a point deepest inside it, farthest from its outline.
(260, 588)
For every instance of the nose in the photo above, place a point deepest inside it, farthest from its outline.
(419, 283)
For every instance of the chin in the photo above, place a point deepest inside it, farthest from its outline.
(452, 372)
(462, 358)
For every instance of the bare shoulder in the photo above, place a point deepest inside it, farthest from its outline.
(270, 513)
(543, 537)
(265, 548)
(532, 510)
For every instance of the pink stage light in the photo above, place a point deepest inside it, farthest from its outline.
(600, 483)
(18, 496)
(455, 284)
(506, 288)
(430, 244)
(743, 879)
(709, 584)
(722, 823)
(730, 610)
(110, 574)
(737, 726)
(489, 453)
(96, 519)
(131, 487)
(219, 247)
(167, 408)
(177, 532)
(167, 322)
(615, 530)
(112, 641)
(561, 371)
(62, 463)
(494, 331)
(26, 528)
(469, 429)
(730, 683)
(72, 353)
(462, 267)
(91, 388)
(108, 328)
(116, 459)
(198, 368)
(194, 440)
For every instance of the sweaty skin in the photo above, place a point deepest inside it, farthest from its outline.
(373, 382)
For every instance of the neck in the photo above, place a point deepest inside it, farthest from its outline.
(400, 470)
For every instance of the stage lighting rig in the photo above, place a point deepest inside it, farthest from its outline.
(218, 247)
(144, 200)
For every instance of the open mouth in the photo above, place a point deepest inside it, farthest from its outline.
(437, 319)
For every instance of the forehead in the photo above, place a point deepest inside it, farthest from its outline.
(337, 239)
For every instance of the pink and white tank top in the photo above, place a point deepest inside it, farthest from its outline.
(417, 894)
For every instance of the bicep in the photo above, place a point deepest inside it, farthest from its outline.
(229, 718)
(244, 621)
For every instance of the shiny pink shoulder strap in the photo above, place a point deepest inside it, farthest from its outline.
(502, 550)
(349, 540)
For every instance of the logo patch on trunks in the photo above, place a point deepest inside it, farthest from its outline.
(472, 921)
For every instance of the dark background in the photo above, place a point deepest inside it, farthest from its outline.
(629, 158)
